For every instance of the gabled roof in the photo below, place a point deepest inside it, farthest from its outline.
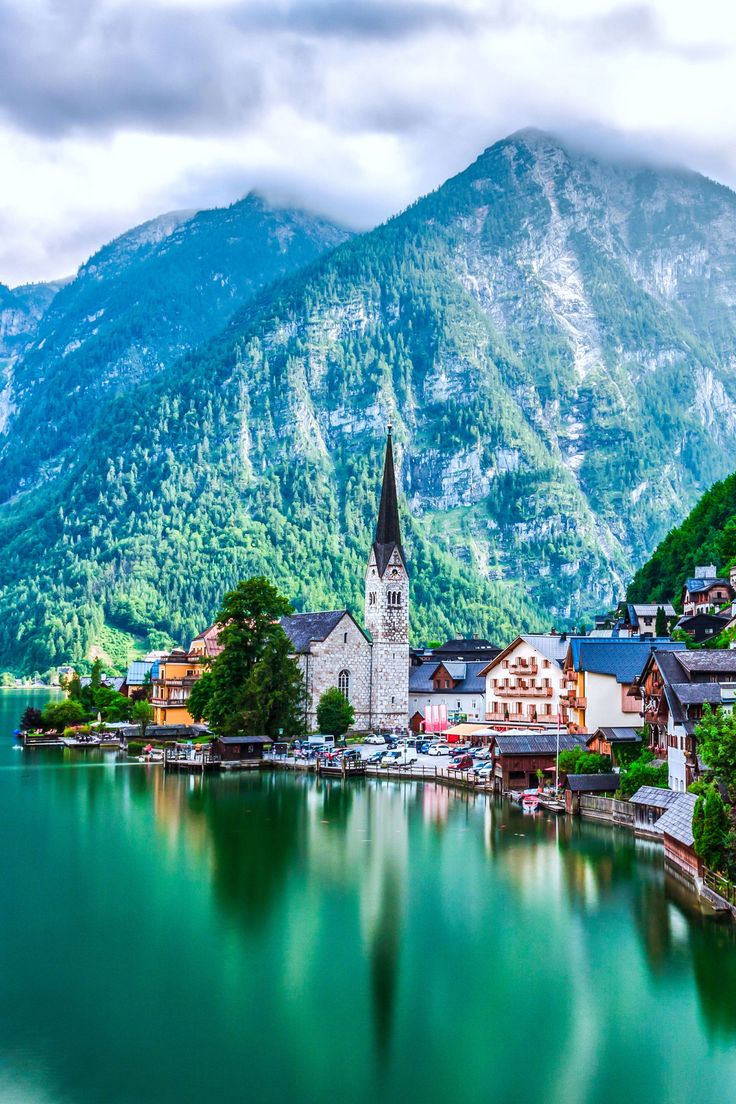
(617, 735)
(462, 649)
(593, 783)
(303, 629)
(621, 658)
(549, 645)
(388, 529)
(210, 638)
(455, 668)
(677, 821)
(656, 796)
(536, 743)
(244, 740)
(697, 586)
(137, 671)
(420, 678)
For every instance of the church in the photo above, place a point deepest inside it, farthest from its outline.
(370, 667)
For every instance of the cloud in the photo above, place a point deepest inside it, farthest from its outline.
(112, 111)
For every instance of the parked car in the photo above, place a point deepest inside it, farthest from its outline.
(484, 772)
(399, 757)
(463, 762)
(439, 749)
(483, 753)
(375, 738)
(376, 757)
(423, 749)
(352, 753)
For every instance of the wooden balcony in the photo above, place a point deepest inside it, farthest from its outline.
(578, 703)
(523, 668)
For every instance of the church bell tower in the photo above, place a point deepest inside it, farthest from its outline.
(387, 609)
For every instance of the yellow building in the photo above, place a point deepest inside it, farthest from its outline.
(173, 678)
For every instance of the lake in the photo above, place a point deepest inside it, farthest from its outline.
(270, 938)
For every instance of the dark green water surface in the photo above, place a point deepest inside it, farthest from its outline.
(272, 938)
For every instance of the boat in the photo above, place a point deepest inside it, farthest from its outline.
(530, 801)
(552, 804)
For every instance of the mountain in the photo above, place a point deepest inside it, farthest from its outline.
(135, 307)
(21, 311)
(552, 335)
(706, 536)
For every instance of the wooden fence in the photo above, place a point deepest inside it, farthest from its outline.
(720, 885)
(607, 808)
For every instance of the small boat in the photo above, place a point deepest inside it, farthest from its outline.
(552, 805)
(530, 801)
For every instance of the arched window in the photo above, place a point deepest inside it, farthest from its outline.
(343, 684)
(372, 598)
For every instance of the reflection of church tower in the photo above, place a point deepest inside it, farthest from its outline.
(387, 608)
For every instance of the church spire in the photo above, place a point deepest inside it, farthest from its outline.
(388, 530)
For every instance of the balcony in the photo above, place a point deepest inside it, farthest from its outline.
(578, 703)
(523, 668)
(175, 703)
(523, 691)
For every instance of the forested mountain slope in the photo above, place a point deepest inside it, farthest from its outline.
(135, 307)
(21, 311)
(706, 536)
(553, 338)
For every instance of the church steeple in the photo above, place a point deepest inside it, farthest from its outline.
(388, 529)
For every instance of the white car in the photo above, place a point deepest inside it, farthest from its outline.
(399, 757)
(374, 739)
(439, 749)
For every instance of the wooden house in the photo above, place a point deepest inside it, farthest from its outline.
(609, 741)
(516, 759)
(676, 826)
(603, 785)
(240, 749)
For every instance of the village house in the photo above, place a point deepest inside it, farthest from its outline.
(706, 592)
(640, 618)
(516, 759)
(172, 678)
(704, 626)
(446, 693)
(615, 743)
(599, 673)
(672, 689)
(524, 683)
(470, 649)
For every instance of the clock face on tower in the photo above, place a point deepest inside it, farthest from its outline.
(395, 572)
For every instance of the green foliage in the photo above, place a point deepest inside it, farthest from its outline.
(135, 747)
(253, 687)
(260, 452)
(57, 716)
(707, 535)
(7, 679)
(335, 714)
(711, 829)
(579, 761)
(142, 715)
(661, 624)
(643, 771)
(716, 741)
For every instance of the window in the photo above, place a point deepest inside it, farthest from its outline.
(343, 684)
(372, 598)
(344, 638)
(394, 597)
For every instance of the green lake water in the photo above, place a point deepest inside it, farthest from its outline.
(274, 938)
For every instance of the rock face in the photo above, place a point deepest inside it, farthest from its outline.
(551, 334)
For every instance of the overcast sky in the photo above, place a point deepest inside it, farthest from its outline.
(113, 111)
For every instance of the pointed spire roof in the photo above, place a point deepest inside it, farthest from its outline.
(388, 530)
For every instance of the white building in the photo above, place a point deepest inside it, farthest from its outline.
(525, 683)
(455, 684)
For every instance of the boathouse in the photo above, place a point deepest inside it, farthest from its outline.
(676, 826)
(604, 785)
(650, 802)
(239, 749)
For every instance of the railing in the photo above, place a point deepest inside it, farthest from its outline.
(720, 885)
(578, 703)
(523, 668)
(607, 808)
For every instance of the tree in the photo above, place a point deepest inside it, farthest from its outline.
(335, 714)
(142, 715)
(253, 687)
(579, 761)
(31, 720)
(644, 771)
(716, 741)
(661, 625)
(711, 829)
(61, 715)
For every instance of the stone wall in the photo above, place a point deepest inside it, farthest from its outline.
(321, 670)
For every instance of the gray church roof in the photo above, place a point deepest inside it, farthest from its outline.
(303, 628)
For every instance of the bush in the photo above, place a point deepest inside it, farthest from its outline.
(61, 715)
(135, 747)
